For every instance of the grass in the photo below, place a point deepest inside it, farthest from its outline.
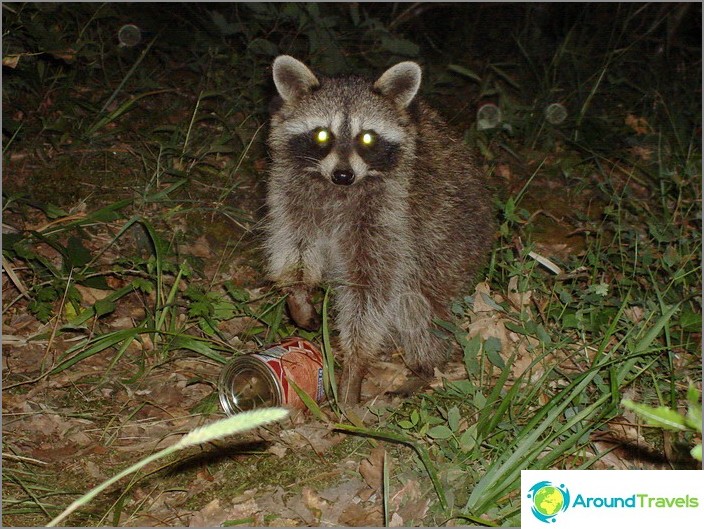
(205, 434)
(117, 159)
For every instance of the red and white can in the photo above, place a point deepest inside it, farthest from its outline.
(263, 379)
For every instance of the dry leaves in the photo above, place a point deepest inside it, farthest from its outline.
(639, 125)
(372, 469)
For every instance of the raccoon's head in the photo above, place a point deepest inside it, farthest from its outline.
(343, 130)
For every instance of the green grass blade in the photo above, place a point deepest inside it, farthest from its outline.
(217, 430)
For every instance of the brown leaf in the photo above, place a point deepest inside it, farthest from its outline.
(315, 504)
(372, 468)
(480, 305)
(356, 515)
(639, 125)
(215, 513)
(396, 520)
(199, 248)
(311, 436)
(503, 170)
(11, 61)
(91, 295)
(520, 300)
(407, 503)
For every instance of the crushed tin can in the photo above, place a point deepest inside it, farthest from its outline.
(263, 379)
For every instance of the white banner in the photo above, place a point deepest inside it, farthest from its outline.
(584, 498)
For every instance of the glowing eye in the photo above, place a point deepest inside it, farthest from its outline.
(367, 139)
(322, 136)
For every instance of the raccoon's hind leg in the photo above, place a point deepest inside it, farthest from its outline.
(423, 350)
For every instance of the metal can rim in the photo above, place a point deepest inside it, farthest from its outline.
(225, 387)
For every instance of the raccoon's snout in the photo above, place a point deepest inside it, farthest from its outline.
(343, 177)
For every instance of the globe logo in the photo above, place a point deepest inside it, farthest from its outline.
(548, 500)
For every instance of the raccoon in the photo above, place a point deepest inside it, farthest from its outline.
(369, 192)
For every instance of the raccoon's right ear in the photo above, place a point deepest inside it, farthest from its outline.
(292, 78)
(400, 83)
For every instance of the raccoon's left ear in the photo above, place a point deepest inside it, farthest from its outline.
(400, 83)
(292, 78)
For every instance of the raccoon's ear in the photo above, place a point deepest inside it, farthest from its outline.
(400, 83)
(292, 78)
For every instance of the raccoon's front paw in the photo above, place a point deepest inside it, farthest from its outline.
(301, 309)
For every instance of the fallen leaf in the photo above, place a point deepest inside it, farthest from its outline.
(215, 513)
(91, 295)
(520, 300)
(199, 248)
(315, 504)
(11, 61)
(396, 520)
(639, 125)
(357, 515)
(480, 303)
(372, 468)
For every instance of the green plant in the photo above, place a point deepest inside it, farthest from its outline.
(669, 419)
(236, 424)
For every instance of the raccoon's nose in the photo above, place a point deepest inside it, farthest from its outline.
(343, 177)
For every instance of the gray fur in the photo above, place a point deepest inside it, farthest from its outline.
(399, 231)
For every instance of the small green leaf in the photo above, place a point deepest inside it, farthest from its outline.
(690, 321)
(144, 285)
(601, 289)
(206, 325)
(98, 282)
(542, 334)
(226, 28)
(400, 46)
(237, 293)
(200, 309)
(466, 72)
(479, 400)
(468, 439)
(103, 306)
(471, 352)
(453, 418)
(520, 329)
(224, 310)
(571, 321)
(54, 212)
(263, 47)
(693, 396)
(42, 311)
(487, 299)
(661, 417)
(78, 254)
(440, 432)
(492, 347)
(47, 294)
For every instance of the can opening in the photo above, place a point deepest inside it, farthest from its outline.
(246, 384)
